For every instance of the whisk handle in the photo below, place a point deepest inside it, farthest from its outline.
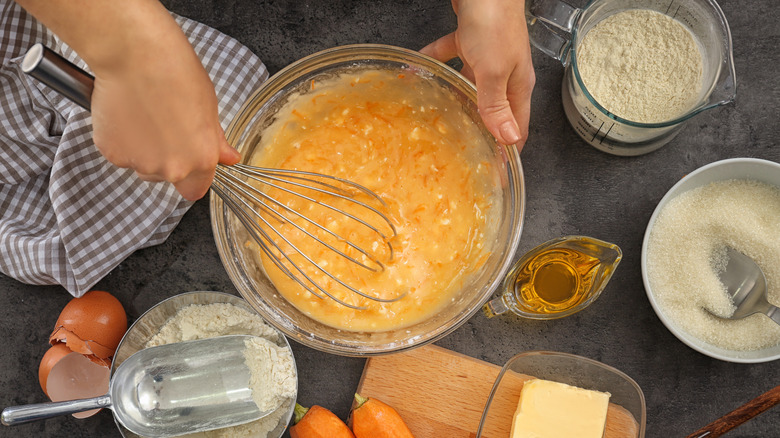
(67, 78)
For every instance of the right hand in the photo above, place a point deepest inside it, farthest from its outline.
(155, 111)
(154, 108)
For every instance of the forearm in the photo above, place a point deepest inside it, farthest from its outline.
(108, 34)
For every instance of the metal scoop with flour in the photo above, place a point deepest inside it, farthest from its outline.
(746, 285)
(169, 390)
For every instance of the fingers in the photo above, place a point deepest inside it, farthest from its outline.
(227, 155)
(494, 105)
(149, 177)
(519, 91)
(495, 108)
(182, 150)
(195, 186)
(443, 49)
(468, 72)
(192, 179)
(504, 81)
(192, 187)
(492, 42)
(191, 171)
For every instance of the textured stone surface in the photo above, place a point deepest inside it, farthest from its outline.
(571, 189)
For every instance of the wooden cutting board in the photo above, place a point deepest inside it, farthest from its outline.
(441, 393)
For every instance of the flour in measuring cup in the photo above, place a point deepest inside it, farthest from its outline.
(641, 65)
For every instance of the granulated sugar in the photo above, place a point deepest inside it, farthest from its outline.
(686, 250)
(272, 366)
(641, 65)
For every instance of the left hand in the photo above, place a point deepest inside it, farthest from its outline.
(492, 41)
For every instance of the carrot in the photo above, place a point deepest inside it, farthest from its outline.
(372, 418)
(318, 422)
(298, 114)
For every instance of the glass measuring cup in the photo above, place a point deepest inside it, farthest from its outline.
(557, 28)
(557, 278)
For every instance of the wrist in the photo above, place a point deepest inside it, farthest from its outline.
(138, 37)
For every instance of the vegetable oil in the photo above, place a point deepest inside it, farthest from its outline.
(557, 278)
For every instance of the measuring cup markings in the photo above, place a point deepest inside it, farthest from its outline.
(688, 19)
(590, 122)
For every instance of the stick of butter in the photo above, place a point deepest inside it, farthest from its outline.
(555, 410)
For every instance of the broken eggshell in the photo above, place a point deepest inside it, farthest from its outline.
(91, 325)
(84, 340)
(66, 375)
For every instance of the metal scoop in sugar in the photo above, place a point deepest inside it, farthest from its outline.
(746, 285)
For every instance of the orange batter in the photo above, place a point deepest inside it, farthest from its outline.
(409, 141)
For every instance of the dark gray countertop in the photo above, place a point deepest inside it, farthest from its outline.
(571, 189)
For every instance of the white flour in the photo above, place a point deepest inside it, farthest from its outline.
(641, 65)
(271, 380)
(273, 377)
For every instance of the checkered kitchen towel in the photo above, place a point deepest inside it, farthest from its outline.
(68, 216)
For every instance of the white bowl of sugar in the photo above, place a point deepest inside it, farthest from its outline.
(734, 202)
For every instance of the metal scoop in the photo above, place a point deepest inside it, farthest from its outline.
(746, 285)
(170, 390)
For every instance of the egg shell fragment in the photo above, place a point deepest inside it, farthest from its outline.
(96, 352)
(74, 377)
(92, 325)
(50, 358)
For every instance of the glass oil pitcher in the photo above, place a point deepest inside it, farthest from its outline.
(557, 28)
(557, 278)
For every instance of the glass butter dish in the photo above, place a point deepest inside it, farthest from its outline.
(626, 414)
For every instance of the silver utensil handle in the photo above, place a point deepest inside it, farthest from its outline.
(27, 413)
(60, 74)
(774, 313)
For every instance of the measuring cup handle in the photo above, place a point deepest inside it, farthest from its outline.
(550, 23)
(27, 413)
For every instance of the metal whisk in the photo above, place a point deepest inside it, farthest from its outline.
(258, 211)
(247, 192)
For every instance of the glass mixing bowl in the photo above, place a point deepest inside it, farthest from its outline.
(505, 224)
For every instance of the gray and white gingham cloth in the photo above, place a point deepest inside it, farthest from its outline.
(68, 216)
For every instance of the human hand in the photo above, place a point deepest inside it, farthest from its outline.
(492, 41)
(156, 113)
(154, 108)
